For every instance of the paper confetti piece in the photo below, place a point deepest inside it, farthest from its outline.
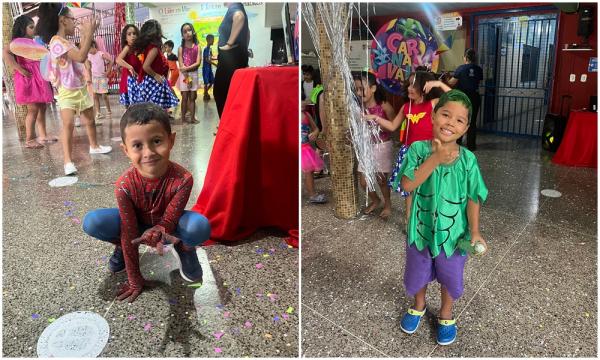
(266, 255)
(130, 317)
(285, 316)
(172, 301)
(196, 285)
(259, 251)
(226, 314)
(276, 318)
(218, 350)
(68, 203)
(238, 291)
(218, 334)
(268, 336)
(259, 266)
(76, 220)
(290, 310)
(259, 295)
(35, 316)
(147, 327)
(247, 324)
(220, 306)
(51, 320)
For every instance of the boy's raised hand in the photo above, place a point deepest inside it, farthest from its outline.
(445, 155)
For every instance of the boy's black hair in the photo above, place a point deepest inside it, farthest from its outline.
(150, 33)
(210, 36)
(19, 29)
(308, 69)
(470, 55)
(142, 114)
(124, 34)
(421, 77)
(169, 43)
(47, 25)
(194, 35)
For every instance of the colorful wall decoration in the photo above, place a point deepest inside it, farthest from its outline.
(400, 46)
(206, 18)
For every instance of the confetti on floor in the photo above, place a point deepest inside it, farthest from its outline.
(35, 316)
(290, 310)
(218, 334)
(259, 266)
(218, 350)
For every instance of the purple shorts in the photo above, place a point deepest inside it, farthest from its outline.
(421, 269)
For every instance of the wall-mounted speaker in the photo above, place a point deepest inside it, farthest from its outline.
(586, 22)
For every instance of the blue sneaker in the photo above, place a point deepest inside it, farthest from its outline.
(446, 333)
(116, 263)
(411, 320)
(189, 266)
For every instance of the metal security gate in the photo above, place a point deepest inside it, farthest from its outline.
(517, 57)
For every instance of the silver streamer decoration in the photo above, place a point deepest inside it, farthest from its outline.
(336, 19)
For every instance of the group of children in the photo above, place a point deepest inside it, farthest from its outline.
(440, 180)
(153, 192)
(79, 72)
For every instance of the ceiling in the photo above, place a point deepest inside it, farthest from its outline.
(382, 9)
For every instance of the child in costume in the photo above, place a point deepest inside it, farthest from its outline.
(207, 74)
(189, 61)
(448, 190)
(98, 60)
(55, 23)
(154, 86)
(172, 60)
(310, 160)
(30, 88)
(131, 67)
(417, 116)
(151, 197)
(374, 104)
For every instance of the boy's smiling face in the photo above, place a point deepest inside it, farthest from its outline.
(148, 147)
(450, 122)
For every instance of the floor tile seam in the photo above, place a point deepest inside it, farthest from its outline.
(486, 280)
(344, 329)
(549, 224)
(115, 299)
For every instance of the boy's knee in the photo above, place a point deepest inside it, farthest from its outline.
(197, 229)
(91, 223)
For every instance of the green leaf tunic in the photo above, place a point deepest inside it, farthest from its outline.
(438, 217)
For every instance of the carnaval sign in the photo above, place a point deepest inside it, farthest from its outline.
(399, 47)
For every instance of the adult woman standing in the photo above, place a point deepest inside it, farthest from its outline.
(234, 37)
(466, 78)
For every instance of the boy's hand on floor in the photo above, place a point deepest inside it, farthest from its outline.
(130, 292)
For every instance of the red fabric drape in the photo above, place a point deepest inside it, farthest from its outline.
(252, 176)
(580, 143)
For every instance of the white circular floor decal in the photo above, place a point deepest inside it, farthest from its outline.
(78, 334)
(551, 193)
(63, 181)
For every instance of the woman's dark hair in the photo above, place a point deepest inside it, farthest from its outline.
(150, 33)
(470, 55)
(194, 35)
(142, 114)
(421, 77)
(371, 80)
(47, 25)
(19, 29)
(124, 34)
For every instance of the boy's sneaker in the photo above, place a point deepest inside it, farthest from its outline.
(446, 333)
(101, 149)
(411, 320)
(189, 266)
(116, 263)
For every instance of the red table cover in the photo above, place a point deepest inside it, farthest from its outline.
(252, 175)
(579, 144)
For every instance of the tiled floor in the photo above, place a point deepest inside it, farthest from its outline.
(533, 295)
(51, 268)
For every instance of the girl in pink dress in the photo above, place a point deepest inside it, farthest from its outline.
(189, 61)
(30, 88)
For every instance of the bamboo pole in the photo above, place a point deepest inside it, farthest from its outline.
(340, 150)
(20, 111)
